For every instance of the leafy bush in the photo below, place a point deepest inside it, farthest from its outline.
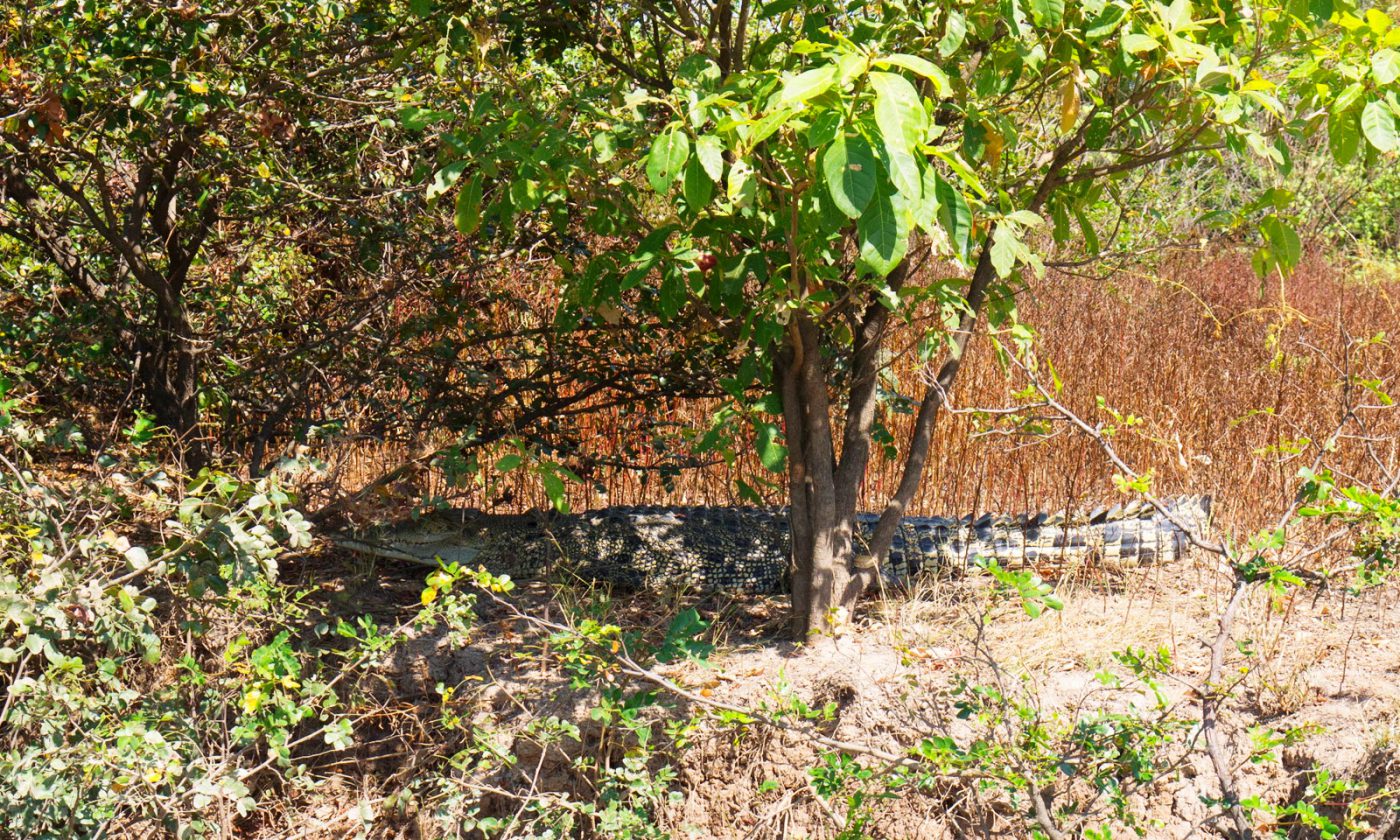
(119, 708)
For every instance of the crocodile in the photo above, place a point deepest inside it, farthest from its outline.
(748, 548)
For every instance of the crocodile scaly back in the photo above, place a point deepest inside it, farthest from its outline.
(748, 549)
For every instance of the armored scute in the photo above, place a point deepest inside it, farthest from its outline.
(748, 549)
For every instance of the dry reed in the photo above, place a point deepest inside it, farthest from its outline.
(1228, 374)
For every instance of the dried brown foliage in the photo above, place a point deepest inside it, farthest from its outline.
(1227, 373)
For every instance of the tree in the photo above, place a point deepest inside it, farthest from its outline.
(196, 204)
(820, 155)
(139, 141)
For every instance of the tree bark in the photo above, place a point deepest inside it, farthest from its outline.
(167, 367)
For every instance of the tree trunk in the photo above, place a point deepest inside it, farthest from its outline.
(167, 369)
(827, 575)
(821, 536)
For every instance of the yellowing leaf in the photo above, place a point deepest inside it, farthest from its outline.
(1069, 105)
(429, 595)
(995, 142)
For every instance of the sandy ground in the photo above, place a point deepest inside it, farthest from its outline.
(1323, 668)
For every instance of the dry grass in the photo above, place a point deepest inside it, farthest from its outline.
(1227, 373)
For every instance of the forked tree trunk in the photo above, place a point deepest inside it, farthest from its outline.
(828, 573)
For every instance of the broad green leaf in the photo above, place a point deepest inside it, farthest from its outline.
(1003, 250)
(849, 168)
(1350, 95)
(808, 85)
(698, 187)
(1262, 261)
(771, 453)
(954, 31)
(775, 8)
(955, 216)
(764, 128)
(824, 128)
(1344, 136)
(554, 489)
(671, 294)
(1284, 244)
(1086, 227)
(1385, 66)
(699, 70)
(902, 122)
(468, 211)
(743, 186)
(711, 154)
(898, 110)
(445, 178)
(924, 68)
(925, 210)
(508, 463)
(412, 117)
(883, 236)
(1378, 21)
(669, 152)
(1105, 23)
(962, 170)
(1378, 124)
(1137, 43)
(1048, 14)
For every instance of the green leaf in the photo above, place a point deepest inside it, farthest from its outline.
(698, 187)
(444, 178)
(669, 152)
(924, 68)
(742, 185)
(1385, 66)
(808, 85)
(1137, 43)
(849, 168)
(823, 130)
(771, 453)
(468, 213)
(508, 463)
(1086, 227)
(1378, 124)
(1003, 250)
(764, 128)
(711, 154)
(554, 489)
(671, 297)
(1048, 14)
(699, 70)
(1105, 23)
(414, 118)
(900, 117)
(955, 216)
(898, 110)
(883, 237)
(1344, 136)
(775, 8)
(925, 210)
(1284, 244)
(954, 32)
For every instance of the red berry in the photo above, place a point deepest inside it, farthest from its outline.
(706, 262)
